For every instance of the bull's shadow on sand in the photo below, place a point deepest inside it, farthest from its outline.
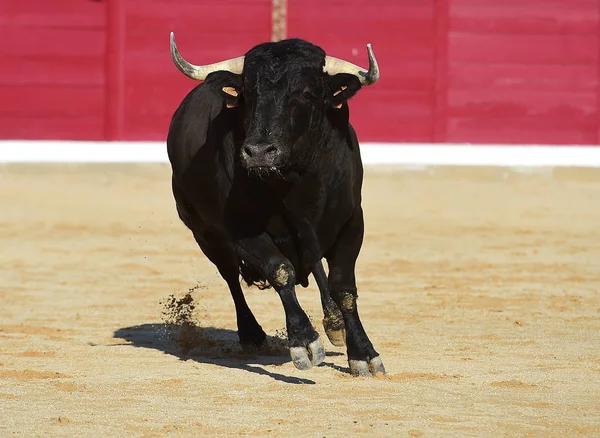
(210, 345)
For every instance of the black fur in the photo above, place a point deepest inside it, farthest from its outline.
(273, 218)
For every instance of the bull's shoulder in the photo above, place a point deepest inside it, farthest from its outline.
(198, 108)
(201, 121)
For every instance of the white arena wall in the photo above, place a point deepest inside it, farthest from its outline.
(409, 154)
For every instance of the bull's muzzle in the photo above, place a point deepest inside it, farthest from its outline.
(265, 156)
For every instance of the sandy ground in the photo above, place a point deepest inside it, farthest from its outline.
(480, 289)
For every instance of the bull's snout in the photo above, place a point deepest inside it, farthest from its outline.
(261, 155)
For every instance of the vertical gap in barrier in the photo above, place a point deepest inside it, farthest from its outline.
(114, 76)
(440, 92)
(278, 20)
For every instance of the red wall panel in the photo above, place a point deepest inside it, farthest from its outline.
(400, 106)
(487, 71)
(206, 32)
(523, 71)
(540, 17)
(52, 69)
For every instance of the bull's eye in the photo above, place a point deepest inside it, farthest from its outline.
(307, 94)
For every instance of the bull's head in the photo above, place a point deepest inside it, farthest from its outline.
(289, 93)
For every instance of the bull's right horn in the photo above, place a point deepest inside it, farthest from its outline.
(368, 77)
(200, 72)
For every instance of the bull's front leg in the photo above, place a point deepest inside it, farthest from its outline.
(306, 348)
(333, 321)
(363, 359)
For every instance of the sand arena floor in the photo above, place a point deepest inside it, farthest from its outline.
(479, 287)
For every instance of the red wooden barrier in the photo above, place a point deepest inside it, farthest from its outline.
(52, 76)
(523, 71)
(488, 71)
(400, 106)
(206, 32)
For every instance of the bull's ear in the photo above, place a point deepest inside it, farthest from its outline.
(342, 87)
(231, 96)
(227, 85)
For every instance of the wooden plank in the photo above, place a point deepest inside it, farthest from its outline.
(202, 19)
(402, 16)
(524, 49)
(46, 101)
(524, 19)
(501, 103)
(57, 70)
(153, 48)
(356, 7)
(513, 130)
(554, 78)
(413, 103)
(146, 128)
(25, 127)
(54, 14)
(58, 43)
(551, 4)
(404, 75)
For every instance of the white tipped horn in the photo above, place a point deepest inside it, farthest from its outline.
(200, 72)
(366, 77)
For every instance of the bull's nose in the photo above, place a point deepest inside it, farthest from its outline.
(260, 151)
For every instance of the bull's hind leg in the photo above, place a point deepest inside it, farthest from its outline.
(250, 333)
(333, 322)
(222, 255)
(306, 348)
(362, 357)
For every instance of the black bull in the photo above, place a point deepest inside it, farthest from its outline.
(267, 175)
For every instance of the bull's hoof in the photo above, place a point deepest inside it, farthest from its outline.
(250, 348)
(305, 358)
(336, 337)
(335, 331)
(251, 342)
(362, 368)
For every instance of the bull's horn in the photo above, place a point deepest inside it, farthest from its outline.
(335, 65)
(200, 72)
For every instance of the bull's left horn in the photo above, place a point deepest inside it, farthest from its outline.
(369, 77)
(200, 72)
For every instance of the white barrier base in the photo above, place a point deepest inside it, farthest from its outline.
(415, 154)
